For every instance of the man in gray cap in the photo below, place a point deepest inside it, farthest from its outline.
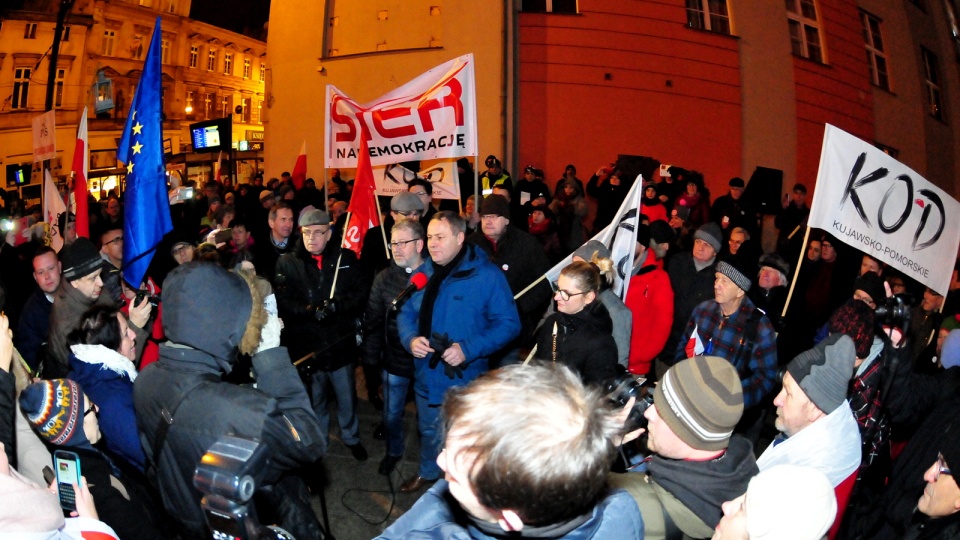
(691, 276)
(321, 291)
(817, 426)
(731, 327)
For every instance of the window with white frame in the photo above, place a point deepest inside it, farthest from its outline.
(804, 29)
(212, 60)
(188, 109)
(246, 68)
(263, 72)
(228, 63)
(109, 37)
(164, 51)
(58, 88)
(226, 104)
(208, 106)
(245, 116)
(876, 57)
(710, 15)
(30, 31)
(549, 6)
(194, 55)
(932, 83)
(21, 87)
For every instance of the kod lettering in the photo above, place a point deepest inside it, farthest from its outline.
(928, 201)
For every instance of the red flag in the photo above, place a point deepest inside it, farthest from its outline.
(219, 165)
(81, 157)
(363, 203)
(299, 175)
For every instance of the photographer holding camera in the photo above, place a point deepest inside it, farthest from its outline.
(183, 406)
(697, 463)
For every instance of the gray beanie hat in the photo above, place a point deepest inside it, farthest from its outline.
(824, 371)
(701, 400)
(711, 234)
(587, 250)
(79, 259)
(405, 202)
(731, 269)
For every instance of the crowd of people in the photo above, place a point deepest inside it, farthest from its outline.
(831, 416)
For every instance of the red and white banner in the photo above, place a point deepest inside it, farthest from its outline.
(874, 203)
(433, 116)
(81, 159)
(299, 175)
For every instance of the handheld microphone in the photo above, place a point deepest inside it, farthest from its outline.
(417, 282)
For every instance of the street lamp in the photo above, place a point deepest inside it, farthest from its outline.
(103, 93)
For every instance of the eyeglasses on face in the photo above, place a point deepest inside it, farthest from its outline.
(941, 467)
(314, 233)
(565, 295)
(115, 240)
(401, 243)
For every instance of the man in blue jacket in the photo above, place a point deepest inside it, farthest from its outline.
(464, 314)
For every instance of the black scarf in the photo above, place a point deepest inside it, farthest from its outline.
(430, 292)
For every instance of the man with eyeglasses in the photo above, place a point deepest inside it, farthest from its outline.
(111, 250)
(522, 260)
(940, 502)
(404, 206)
(465, 314)
(381, 346)
(320, 292)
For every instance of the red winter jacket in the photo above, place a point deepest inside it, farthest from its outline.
(650, 299)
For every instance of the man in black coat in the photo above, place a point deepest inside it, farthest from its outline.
(321, 290)
(183, 406)
(522, 260)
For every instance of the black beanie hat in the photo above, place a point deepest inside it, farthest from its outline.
(871, 284)
(79, 259)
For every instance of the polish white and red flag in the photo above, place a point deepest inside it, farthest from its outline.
(299, 174)
(81, 159)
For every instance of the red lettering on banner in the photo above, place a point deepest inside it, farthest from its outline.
(343, 120)
(389, 114)
(450, 100)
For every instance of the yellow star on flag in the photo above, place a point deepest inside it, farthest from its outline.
(137, 127)
(130, 168)
(137, 147)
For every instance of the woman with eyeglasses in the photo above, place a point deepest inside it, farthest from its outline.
(580, 334)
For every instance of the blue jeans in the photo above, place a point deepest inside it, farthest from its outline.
(428, 421)
(394, 398)
(342, 382)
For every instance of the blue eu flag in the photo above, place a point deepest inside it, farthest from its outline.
(146, 217)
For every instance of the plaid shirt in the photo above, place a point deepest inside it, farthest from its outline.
(725, 337)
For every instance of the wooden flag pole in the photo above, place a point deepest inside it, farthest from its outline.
(796, 272)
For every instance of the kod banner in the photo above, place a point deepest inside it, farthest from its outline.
(874, 203)
(441, 173)
(431, 117)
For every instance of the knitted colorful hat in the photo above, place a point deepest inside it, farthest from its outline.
(54, 409)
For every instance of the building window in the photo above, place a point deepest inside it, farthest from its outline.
(189, 107)
(30, 32)
(194, 55)
(710, 15)
(212, 60)
(549, 6)
(58, 89)
(263, 72)
(207, 106)
(226, 103)
(164, 51)
(876, 58)
(804, 29)
(245, 115)
(137, 47)
(21, 87)
(932, 83)
(228, 63)
(109, 36)
(172, 6)
(246, 68)
(66, 33)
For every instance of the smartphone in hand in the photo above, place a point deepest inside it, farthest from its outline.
(67, 467)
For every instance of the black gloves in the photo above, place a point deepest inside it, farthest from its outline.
(328, 308)
(439, 344)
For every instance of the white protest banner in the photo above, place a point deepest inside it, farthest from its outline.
(874, 203)
(441, 173)
(45, 136)
(433, 116)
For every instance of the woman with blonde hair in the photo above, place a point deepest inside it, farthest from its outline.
(579, 334)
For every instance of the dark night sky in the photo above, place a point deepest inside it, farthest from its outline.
(234, 15)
